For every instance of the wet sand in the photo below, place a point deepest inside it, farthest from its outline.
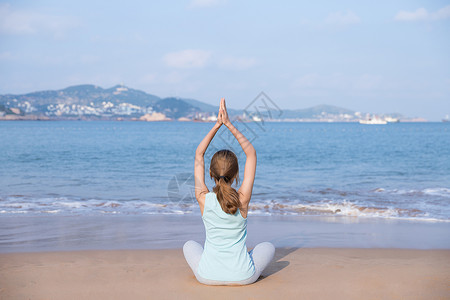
(306, 273)
(122, 232)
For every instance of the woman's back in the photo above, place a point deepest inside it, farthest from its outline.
(225, 256)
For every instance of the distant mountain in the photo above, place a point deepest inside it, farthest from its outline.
(201, 105)
(175, 108)
(91, 101)
(204, 107)
(83, 100)
(121, 102)
(85, 95)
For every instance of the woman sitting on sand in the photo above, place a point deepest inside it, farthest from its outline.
(225, 260)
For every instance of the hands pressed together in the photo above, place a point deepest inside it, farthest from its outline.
(222, 117)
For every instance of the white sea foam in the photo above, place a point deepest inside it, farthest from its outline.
(332, 206)
(349, 209)
(440, 191)
(73, 204)
(343, 208)
(444, 192)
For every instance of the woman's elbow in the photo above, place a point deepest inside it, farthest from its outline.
(199, 153)
(251, 152)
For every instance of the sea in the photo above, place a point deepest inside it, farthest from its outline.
(92, 168)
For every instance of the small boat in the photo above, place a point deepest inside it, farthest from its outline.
(256, 119)
(391, 120)
(447, 119)
(374, 121)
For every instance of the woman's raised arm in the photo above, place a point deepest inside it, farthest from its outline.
(199, 168)
(245, 191)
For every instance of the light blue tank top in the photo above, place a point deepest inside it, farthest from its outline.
(225, 256)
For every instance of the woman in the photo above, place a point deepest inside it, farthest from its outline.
(225, 260)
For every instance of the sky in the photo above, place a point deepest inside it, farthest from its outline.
(369, 56)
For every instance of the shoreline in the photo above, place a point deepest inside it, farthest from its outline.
(136, 119)
(308, 273)
(144, 232)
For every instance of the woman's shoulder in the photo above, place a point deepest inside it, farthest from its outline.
(210, 196)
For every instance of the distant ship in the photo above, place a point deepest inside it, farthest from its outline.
(447, 119)
(374, 121)
(391, 120)
(256, 119)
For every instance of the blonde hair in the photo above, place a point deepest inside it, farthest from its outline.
(225, 169)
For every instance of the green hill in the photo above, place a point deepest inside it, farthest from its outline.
(91, 101)
(86, 94)
(175, 108)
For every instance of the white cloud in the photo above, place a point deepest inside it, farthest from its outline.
(26, 22)
(205, 3)
(186, 59)
(443, 13)
(236, 63)
(342, 18)
(422, 14)
(419, 14)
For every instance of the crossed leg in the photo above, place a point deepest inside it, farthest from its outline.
(261, 255)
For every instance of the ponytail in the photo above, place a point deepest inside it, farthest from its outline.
(227, 196)
(225, 170)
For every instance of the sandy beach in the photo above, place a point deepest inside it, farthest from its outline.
(140, 257)
(308, 273)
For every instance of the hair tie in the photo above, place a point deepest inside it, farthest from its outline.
(224, 178)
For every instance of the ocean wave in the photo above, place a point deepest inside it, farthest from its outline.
(65, 205)
(440, 191)
(345, 208)
(436, 191)
(443, 192)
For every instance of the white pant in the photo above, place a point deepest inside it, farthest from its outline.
(261, 256)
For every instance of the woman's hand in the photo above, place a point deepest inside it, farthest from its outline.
(223, 112)
(220, 116)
